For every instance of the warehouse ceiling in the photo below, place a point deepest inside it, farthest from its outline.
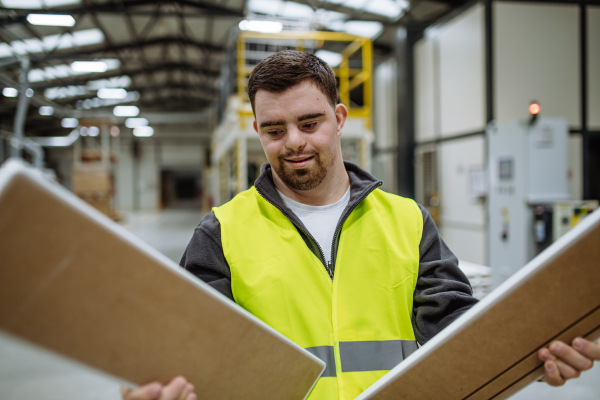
(167, 55)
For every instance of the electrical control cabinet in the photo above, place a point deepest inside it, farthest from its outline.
(528, 167)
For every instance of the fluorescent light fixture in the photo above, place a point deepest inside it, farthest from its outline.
(10, 92)
(106, 93)
(93, 131)
(126, 111)
(29, 92)
(143, 131)
(51, 19)
(135, 122)
(261, 26)
(89, 66)
(331, 58)
(69, 123)
(46, 110)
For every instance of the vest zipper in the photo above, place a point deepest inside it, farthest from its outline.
(328, 265)
(321, 252)
(341, 223)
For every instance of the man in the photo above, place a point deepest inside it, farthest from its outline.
(354, 275)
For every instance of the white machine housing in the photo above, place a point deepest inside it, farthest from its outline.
(528, 166)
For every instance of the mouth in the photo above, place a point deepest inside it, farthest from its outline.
(299, 162)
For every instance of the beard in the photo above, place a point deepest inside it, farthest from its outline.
(302, 179)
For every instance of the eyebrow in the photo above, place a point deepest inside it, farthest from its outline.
(304, 117)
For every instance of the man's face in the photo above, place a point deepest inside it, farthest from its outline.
(299, 131)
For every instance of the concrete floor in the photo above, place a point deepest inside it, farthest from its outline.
(28, 373)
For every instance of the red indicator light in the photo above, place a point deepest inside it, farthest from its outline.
(534, 108)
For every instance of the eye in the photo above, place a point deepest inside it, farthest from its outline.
(274, 134)
(310, 126)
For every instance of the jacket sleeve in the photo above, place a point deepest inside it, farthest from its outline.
(204, 256)
(443, 292)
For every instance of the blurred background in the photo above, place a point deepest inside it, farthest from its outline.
(486, 112)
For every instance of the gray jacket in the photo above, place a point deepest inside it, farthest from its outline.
(442, 292)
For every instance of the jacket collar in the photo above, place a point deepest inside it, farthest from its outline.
(361, 184)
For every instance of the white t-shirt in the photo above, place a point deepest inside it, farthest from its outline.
(320, 221)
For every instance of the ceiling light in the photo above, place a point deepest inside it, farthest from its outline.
(89, 66)
(143, 131)
(106, 93)
(93, 131)
(69, 123)
(331, 58)
(51, 19)
(83, 131)
(29, 92)
(135, 122)
(126, 111)
(46, 110)
(10, 92)
(261, 26)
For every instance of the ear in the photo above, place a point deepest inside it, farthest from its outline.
(341, 113)
(255, 126)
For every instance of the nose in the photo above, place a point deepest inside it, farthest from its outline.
(295, 139)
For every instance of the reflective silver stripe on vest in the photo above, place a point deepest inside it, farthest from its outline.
(325, 353)
(365, 356)
(374, 355)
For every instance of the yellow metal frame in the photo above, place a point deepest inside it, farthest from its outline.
(349, 78)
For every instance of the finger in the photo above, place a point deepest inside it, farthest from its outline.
(566, 371)
(188, 389)
(150, 391)
(173, 390)
(570, 356)
(192, 396)
(552, 377)
(125, 392)
(589, 349)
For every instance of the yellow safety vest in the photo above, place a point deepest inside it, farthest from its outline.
(359, 324)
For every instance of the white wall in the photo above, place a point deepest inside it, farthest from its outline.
(182, 154)
(425, 83)
(593, 68)
(462, 218)
(142, 175)
(385, 124)
(536, 53)
(462, 73)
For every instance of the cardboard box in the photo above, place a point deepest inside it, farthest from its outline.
(75, 282)
(491, 351)
(90, 178)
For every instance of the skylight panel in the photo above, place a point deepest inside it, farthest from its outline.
(269, 7)
(32, 46)
(368, 29)
(64, 71)
(387, 8)
(37, 4)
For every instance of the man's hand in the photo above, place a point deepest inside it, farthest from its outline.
(178, 389)
(563, 362)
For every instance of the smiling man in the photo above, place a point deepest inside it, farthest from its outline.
(315, 249)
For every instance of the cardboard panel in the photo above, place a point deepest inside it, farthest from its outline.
(78, 284)
(491, 351)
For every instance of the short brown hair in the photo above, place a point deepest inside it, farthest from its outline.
(287, 68)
